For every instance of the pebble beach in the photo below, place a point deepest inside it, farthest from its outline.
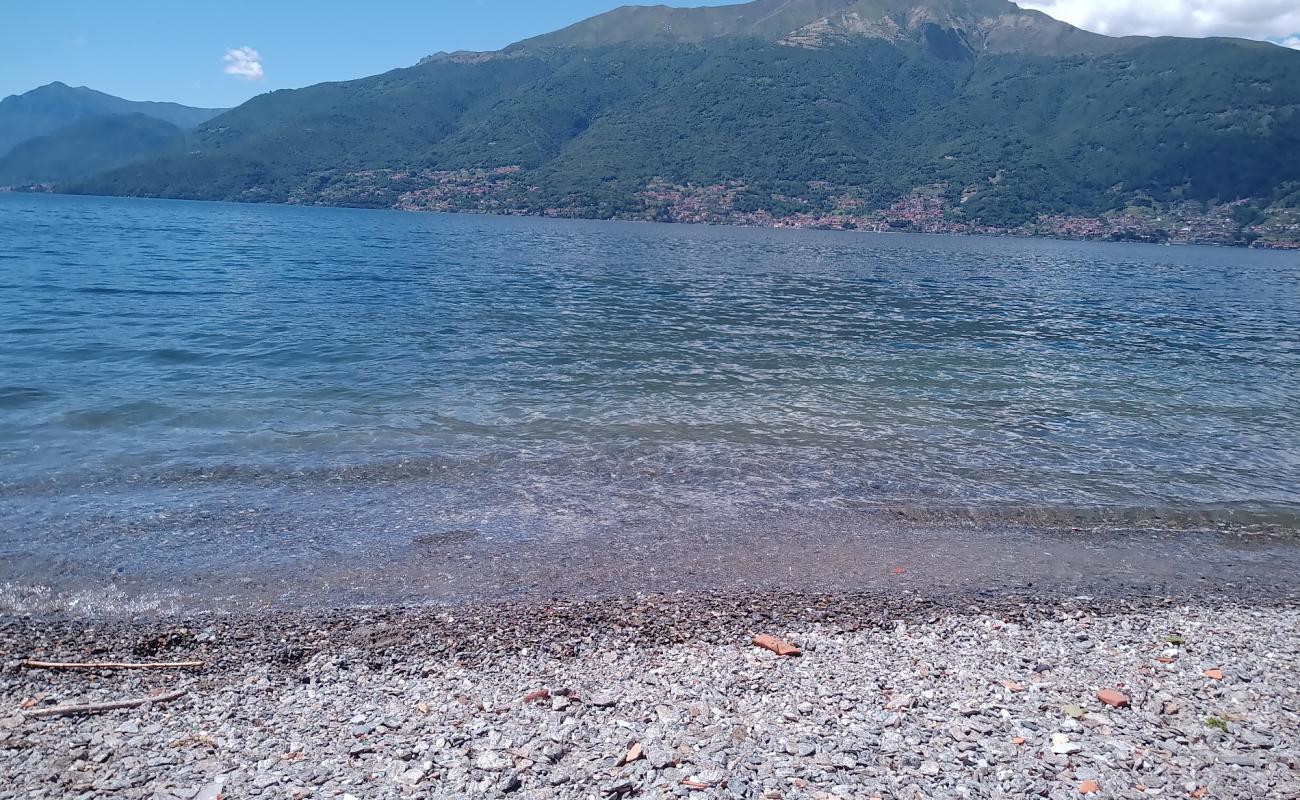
(892, 696)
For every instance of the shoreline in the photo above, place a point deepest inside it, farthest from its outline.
(896, 695)
(1284, 247)
(811, 556)
(469, 631)
(844, 555)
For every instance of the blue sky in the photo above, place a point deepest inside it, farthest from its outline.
(174, 49)
(221, 52)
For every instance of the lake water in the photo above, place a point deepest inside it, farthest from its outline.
(280, 401)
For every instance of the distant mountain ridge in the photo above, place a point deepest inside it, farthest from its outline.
(940, 115)
(995, 26)
(86, 148)
(49, 108)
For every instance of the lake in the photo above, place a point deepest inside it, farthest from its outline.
(328, 405)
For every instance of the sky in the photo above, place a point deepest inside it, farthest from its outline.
(219, 54)
(1274, 20)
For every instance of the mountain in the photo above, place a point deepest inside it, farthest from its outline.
(87, 147)
(970, 115)
(993, 26)
(47, 109)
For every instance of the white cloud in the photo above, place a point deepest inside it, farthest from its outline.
(1291, 41)
(1276, 20)
(243, 62)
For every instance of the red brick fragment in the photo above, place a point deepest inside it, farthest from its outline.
(776, 645)
(1214, 674)
(540, 694)
(1112, 698)
(1089, 787)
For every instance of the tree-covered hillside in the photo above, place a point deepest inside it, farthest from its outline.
(1011, 135)
(293, 140)
(50, 108)
(86, 148)
(914, 107)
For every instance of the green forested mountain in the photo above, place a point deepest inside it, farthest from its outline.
(773, 109)
(52, 107)
(86, 148)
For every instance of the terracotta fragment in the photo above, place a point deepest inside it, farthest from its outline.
(1113, 698)
(776, 645)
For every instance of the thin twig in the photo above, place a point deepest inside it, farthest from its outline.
(110, 665)
(95, 708)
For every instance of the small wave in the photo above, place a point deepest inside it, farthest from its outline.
(172, 355)
(113, 290)
(26, 330)
(22, 396)
(106, 601)
(121, 416)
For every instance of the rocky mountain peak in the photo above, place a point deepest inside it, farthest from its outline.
(952, 28)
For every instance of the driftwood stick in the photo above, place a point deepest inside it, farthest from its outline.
(95, 708)
(30, 664)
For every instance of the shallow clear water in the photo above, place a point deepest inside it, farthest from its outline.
(208, 387)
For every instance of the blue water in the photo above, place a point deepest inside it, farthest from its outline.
(208, 384)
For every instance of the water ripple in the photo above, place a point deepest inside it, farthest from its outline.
(529, 374)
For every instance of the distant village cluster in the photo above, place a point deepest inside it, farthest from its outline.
(504, 190)
(930, 212)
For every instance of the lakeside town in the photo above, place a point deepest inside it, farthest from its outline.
(927, 210)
